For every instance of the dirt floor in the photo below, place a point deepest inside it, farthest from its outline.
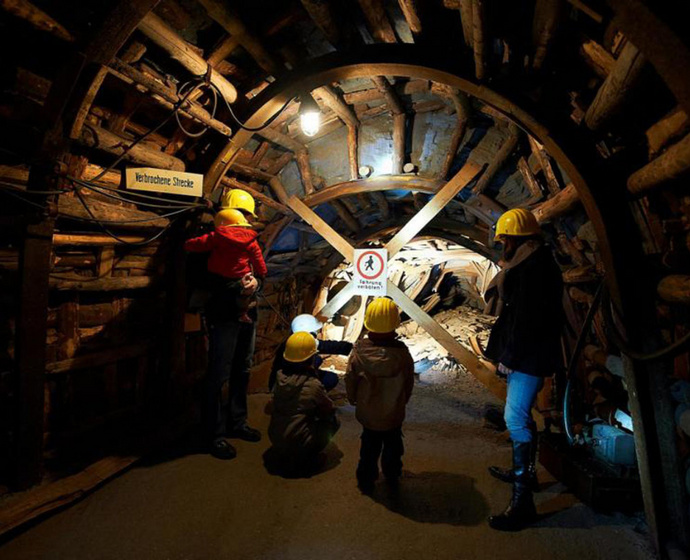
(191, 506)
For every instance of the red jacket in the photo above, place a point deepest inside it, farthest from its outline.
(234, 251)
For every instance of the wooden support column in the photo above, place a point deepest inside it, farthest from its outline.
(377, 21)
(352, 152)
(398, 143)
(547, 15)
(322, 15)
(671, 127)
(334, 102)
(461, 179)
(302, 159)
(504, 152)
(165, 37)
(545, 164)
(536, 193)
(409, 10)
(345, 215)
(279, 190)
(673, 163)
(616, 87)
(462, 113)
(478, 39)
(467, 22)
(221, 13)
(30, 343)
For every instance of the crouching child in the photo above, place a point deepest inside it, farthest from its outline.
(303, 419)
(379, 381)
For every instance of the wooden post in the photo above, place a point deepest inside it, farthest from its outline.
(409, 10)
(672, 126)
(478, 42)
(467, 22)
(531, 181)
(321, 13)
(616, 87)
(30, 343)
(673, 163)
(352, 152)
(333, 101)
(557, 205)
(462, 113)
(377, 20)
(547, 15)
(545, 164)
(500, 158)
(302, 158)
(398, 143)
(345, 215)
(461, 179)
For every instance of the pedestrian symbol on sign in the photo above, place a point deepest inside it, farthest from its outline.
(371, 271)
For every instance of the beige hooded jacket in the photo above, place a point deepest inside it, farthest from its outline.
(379, 381)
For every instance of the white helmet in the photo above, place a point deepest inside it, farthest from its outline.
(305, 323)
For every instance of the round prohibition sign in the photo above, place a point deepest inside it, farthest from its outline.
(380, 268)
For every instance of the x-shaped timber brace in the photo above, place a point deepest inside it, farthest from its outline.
(481, 369)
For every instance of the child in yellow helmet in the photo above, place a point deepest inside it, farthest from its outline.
(303, 418)
(379, 381)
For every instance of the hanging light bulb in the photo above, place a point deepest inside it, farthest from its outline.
(309, 115)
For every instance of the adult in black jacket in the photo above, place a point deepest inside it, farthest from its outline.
(309, 323)
(525, 342)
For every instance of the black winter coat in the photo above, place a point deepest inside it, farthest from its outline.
(527, 334)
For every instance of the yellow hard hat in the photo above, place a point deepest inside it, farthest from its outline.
(231, 217)
(518, 221)
(299, 347)
(382, 316)
(239, 200)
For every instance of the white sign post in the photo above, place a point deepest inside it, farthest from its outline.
(164, 181)
(371, 272)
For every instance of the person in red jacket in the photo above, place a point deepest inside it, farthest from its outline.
(235, 255)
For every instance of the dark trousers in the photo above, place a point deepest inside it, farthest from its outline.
(386, 445)
(231, 349)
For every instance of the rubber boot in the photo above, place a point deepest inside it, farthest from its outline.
(520, 511)
(508, 475)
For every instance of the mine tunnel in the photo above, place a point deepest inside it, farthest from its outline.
(374, 146)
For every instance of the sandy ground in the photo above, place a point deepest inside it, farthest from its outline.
(191, 506)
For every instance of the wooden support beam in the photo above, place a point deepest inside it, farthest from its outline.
(221, 13)
(547, 16)
(337, 302)
(344, 214)
(232, 183)
(398, 143)
(557, 205)
(36, 17)
(380, 183)
(389, 94)
(673, 163)
(334, 102)
(302, 159)
(462, 114)
(105, 284)
(671, 127)
(675, 289)
(411, 13)
(467, 19)
(478, 39)
(321, 227)
(321, 13)
(461, 179)
(597, 57)
(499, 160)
(279, 191)
(352, 152)
(377, 21)
(277, 137)
(224, 49)
(616, 87)
(252, 172)
(536, 193)
(482, 370)
(382, 203)
(259, 154)
(168, 98)
(545, 164)
(165, 37)
(104, 140)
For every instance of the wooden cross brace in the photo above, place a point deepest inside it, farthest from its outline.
(483, 370)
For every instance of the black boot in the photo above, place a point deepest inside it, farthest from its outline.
(520, 511)
(508, 475)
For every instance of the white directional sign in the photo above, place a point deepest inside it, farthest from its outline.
(164, 181)
(371, 271)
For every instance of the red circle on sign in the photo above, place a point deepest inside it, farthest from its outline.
(359, 260)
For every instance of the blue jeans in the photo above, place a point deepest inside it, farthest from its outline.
(522, 392)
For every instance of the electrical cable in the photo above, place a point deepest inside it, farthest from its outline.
(119, 197)
(575, 356)
(212, 113)
(24, 200)
(614, 334)
(241, 124)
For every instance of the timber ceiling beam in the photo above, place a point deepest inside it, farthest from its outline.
(479, 38)
(336, 104)
(220, 12)
(499, 160)
(463, 109)
(321, 13)
(37, 18)
(544, 160)
(547, 16)
(377, 21)
(166, 38)
(411, 13)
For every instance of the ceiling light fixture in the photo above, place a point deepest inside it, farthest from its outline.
(309, 115)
